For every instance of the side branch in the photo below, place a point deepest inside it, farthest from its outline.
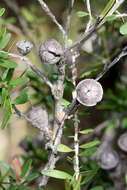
(52, 16)
(116, 60)
(34, 69)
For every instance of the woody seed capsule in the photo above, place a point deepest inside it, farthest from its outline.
(50, 51)
(24, 47)
(122, 142)
(89, 92)
(108, 160)
(39, 118)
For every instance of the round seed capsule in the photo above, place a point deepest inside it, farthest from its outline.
(89, 92)
(108, 160)
(39, 117)
(50, 51)
(122, 142)
(24, 47)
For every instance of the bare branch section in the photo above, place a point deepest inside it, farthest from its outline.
(52, 16)
(69, 15)
(95, 27)
(116, 60)
(76, 124)
(57, 91)
(34, 69)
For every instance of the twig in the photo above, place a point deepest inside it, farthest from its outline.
(34, 69)
(95, 27)
(76, 140)
(69, 15)
(43, 130)
(52, 16)
(15, 8)
(122, 54)
(57, 91)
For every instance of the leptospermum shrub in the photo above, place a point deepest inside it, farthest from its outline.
(95, 156)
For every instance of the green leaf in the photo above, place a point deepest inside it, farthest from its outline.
(8, 113)
(65, 103)
(21, 99)
(28, 15)
(82, 13)
(4, 41)
(97, 188)
(3, 55)
(31, 176)
(86, 131)
(89, 175)
(111, 17)
(63, 148)
(5, 74)
(56, 174)
(2, 10)
(88, 152)
(2, 32)
(7, 63)
(124, 123)
(18, 81)
(90, 144)
(123, 29)
(4, 97)
(26, 168)
(87, 73)
(108, 7)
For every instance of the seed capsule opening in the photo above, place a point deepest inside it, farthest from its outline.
(50, 51)
(89, 92)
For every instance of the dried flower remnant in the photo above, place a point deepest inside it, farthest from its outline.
(50, 51)
(24, 47)
(122, 142)
(89, 92)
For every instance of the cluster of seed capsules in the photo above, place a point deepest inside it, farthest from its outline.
(89, 93)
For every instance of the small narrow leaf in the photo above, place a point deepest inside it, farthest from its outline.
(7, 64)
(4, 41)
(18, 81)
(63, 148)
(111, 17)
(82, 13)
(5, 74)
(90, 144)
(108, 7)
(26, 168)
(86, 131)
(123, 29)
(88, 152)
(4, 97)
(31, 176)
(8, 113)
(21, 99)
(88, 73)
(2, 10)
(56, 174)
(6, 119)
(65, 103)
(97, 188)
